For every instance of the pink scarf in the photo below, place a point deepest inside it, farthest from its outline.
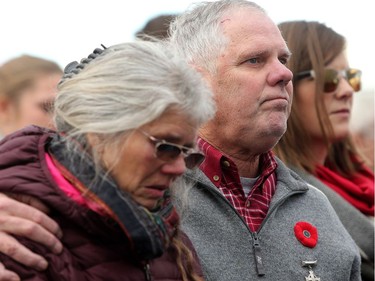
(358, 190)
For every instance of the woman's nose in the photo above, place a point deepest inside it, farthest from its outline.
(344, 89)
(176, 167)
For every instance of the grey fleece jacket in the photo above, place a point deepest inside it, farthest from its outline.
(226, 246)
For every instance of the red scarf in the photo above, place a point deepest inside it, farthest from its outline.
(358, 190)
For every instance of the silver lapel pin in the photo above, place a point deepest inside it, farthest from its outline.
(309, 265)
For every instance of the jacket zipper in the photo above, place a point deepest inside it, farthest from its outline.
(256, 245)
(258, 254)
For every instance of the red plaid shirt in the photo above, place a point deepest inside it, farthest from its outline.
(224, 175)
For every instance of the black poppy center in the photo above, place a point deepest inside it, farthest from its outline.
(306, 233)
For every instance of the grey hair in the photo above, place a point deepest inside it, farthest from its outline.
(197, 33)
(127, 86)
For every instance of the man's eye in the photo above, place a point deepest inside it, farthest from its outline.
(283, 60)
(253, 60)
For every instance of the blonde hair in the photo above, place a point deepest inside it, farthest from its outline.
(20, 73)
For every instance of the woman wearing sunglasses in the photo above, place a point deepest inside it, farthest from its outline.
(317, 144)
(126, 119)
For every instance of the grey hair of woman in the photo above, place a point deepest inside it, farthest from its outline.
(126, 86)
(197, 34)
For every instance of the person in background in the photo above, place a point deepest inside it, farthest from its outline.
(248, 215)
(317, 144)
(27, 90)
(156, 27)
(125, 131)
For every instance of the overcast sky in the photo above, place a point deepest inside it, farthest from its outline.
(69, 30)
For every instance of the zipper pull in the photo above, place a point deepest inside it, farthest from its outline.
(146, 269)
(258, 255)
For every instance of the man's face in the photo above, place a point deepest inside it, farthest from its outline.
(252, 86)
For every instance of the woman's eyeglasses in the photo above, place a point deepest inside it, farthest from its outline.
(169, 152)
(332, 78)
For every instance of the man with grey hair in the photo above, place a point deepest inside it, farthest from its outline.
(249, 216)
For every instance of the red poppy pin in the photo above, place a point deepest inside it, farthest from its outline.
(306, 233)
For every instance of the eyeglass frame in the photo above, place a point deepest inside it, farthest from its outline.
(184, 150)
(343, 74)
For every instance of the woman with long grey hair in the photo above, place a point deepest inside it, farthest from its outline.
(126, 119)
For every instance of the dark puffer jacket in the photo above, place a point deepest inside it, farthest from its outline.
(94, 246)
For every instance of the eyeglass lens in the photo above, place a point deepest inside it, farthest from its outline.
(332, 79)
(169, 152)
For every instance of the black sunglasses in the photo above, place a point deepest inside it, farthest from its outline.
(169, 152)
(332, 78)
